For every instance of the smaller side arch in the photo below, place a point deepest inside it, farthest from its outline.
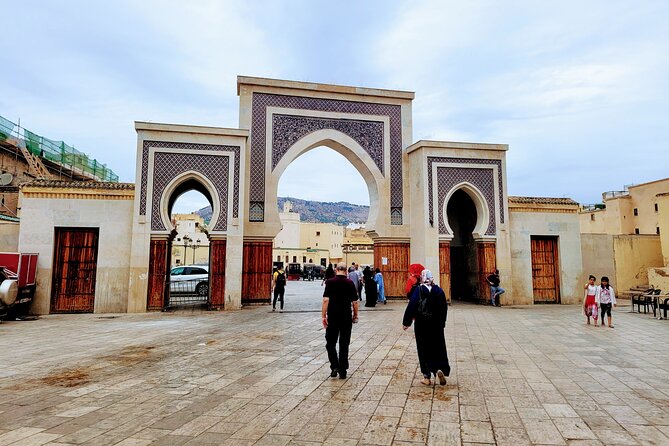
(190, 180)
(482, 211)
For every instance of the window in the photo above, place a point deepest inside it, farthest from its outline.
(592, 217)
(198, 271)
(656, 207)
(636, 212)
(636, 231)
(278, 258)
(304, 259)
(311, 261)
(318, 233)
(294, 259)
(197, 225)
(317, 244)
(286, 259)
(657, 230)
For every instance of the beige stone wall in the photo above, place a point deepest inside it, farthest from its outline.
(663, 223)
(113, 217)
(598, 257)
(523, 225)
(659, 279)
(634, 254)
(9, 236)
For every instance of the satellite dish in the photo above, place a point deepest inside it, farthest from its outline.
(5, 179)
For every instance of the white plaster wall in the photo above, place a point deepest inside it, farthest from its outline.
(40, 217)
(9, 237)
(566, 227)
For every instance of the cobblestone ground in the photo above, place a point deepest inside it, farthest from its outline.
(520, 376)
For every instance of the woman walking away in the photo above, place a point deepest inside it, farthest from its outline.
(370, 287)
(415, 270)
(428, 308)
(607, 299)
(380, 290)
(329, 274)
(590, 300)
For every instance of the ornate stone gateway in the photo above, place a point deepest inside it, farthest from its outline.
(238, 170)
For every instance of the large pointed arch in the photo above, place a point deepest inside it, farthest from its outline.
(349, 149)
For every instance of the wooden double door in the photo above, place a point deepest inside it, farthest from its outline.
(545, 269)
(74, 270)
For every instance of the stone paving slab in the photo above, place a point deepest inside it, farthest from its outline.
(521, 375)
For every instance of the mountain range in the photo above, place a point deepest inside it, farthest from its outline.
(341, 213)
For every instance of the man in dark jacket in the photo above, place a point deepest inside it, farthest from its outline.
(339, 296)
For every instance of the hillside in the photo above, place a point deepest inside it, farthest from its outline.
(341, 212)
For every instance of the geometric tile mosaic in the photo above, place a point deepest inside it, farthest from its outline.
(287, 130)
(500, 184)
(167, 166)
(258, 151)
(188, 146)
(482, 178)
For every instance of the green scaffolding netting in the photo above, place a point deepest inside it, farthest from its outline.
(60, 153)
(6, 128)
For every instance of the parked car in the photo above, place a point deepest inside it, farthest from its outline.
(17, 283)
(190, 279)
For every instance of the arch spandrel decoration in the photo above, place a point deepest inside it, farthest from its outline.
(484, 174)
(166, 146)
(171, 165)
(287, 129)
(163, 162)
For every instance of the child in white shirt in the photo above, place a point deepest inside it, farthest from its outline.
(607, 299)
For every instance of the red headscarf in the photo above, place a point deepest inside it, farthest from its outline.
(414, 269)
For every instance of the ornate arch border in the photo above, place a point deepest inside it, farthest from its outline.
(296, 116)
(163, 162)
(449, 172)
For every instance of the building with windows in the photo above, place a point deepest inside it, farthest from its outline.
(622, 236)
(191, 243)
(634, 210)
(303, 242)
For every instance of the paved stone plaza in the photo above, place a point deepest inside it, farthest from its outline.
(520, 376)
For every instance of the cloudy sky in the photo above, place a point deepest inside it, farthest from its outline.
(579, 90)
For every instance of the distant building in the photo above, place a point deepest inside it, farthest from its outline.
(634, 210)
(191, 243)
(623, 236)
(302, 242)
(358, 246)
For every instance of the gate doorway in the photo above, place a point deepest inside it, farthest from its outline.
(545, 271)
(188, 247)
(74, 270)
(462, 218)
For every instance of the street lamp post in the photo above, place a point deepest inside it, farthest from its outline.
(185, 239)
(195, 245)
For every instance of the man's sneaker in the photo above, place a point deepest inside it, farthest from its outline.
(273, 310)
(342, 374)
(334, 373)
(441, 377)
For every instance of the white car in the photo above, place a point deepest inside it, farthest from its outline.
(190, 279)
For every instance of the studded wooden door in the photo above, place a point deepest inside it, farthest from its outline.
(545, 270)
(74, 270)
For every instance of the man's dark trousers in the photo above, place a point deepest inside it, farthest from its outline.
(342, 332)
(278, 293)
